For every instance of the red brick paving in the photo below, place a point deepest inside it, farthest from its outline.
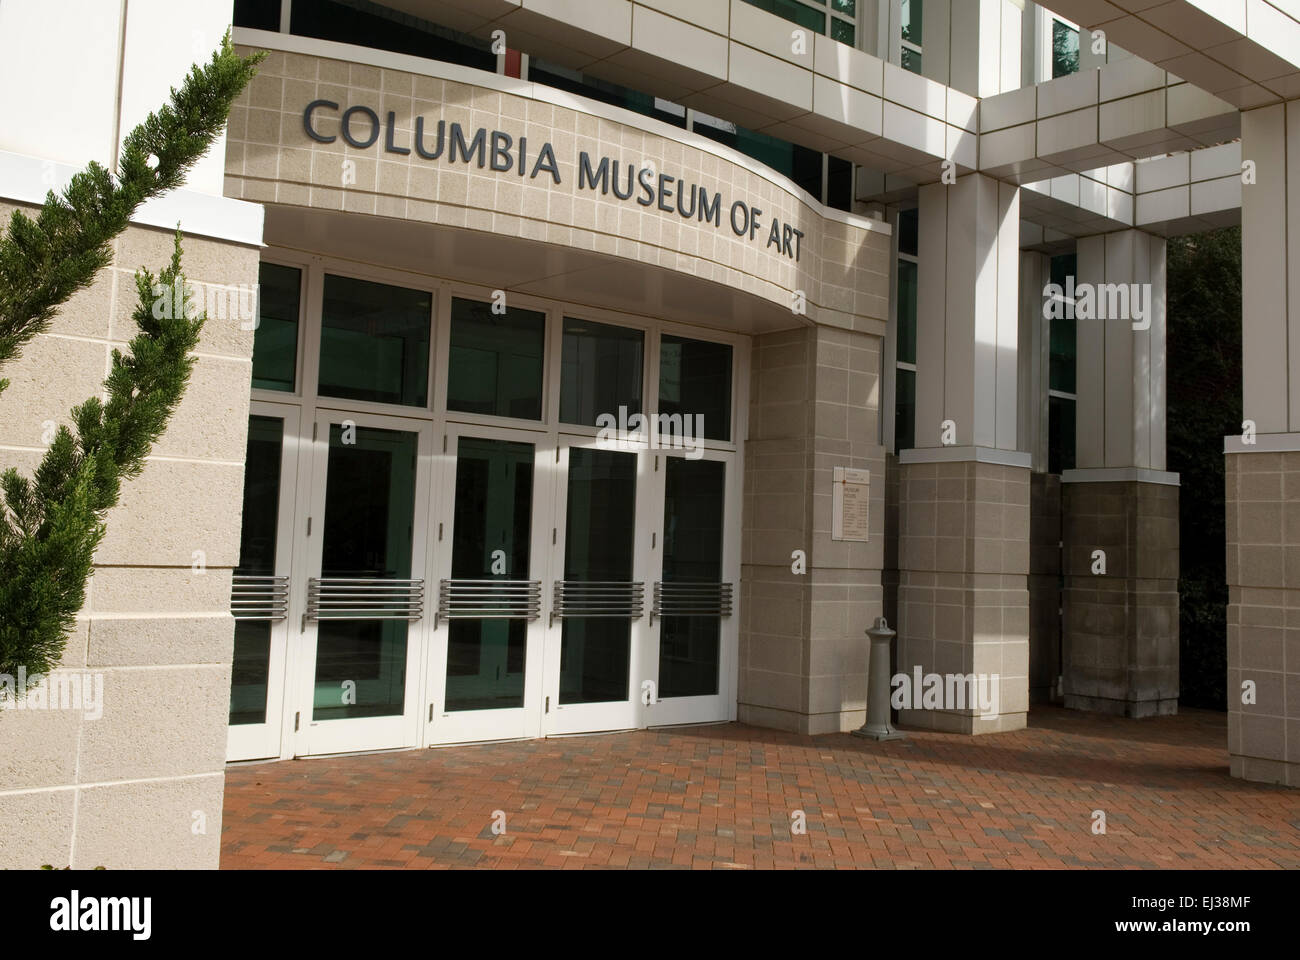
(723, 797)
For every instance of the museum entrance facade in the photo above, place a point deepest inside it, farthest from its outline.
(470, 515)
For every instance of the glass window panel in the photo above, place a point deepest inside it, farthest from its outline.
(258, 14)
(275, 342)
(842, 31)
(907, 272)
(907, 231)
(839, 183)
(1063, 267)
(600, 529)
(496, 360)
(911, 60)
(383, 29)
(846, 7)
(695, 382)
(694, 504)
(1065, 49)
(375, 342)
(1063, 333)
(912, 20)
(494, 502)
(794, 11)
(647, 104)
(1064, 347)
(368, 532)
(904, 410)
(800, 164)
(1060, 434)
(251, 663)
(600, 371)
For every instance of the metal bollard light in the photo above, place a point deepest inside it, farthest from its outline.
(878, 726)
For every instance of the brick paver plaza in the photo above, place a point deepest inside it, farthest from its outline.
(725, 797)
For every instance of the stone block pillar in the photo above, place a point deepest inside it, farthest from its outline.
(1120, 506)
(803, 649)
(964, 491)
(1263, 465)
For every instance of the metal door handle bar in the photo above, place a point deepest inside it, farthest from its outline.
(597, 598)
(259, 598)
(364, 598)
(489, 600)
(677, 599)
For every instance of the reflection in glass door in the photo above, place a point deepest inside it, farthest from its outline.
(365, 595)
(260, 586)
(489, 597)
(596, 627)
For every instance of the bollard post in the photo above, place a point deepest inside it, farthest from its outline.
(878, 726)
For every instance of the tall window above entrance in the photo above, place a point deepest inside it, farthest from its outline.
(496, 360)
(275, 344)
(375, 342)
(600, 371)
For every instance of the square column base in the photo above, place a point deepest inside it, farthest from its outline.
(963, 594)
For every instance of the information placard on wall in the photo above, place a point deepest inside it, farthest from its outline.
(851, 505)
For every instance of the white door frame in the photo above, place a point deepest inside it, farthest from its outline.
(368, 733)
(722, 705)
(256, 741)
(616, 715)
(467, 726)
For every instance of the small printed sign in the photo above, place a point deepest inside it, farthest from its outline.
(851, 505)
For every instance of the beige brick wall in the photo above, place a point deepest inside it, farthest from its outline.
(803, 649)
(963, 598)
(127, 789)
(843, 271)
(1263, 557)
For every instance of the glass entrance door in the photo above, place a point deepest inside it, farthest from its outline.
(364, 623)
(260, 587)
(692, 656)
(597, 629)
(485, 663)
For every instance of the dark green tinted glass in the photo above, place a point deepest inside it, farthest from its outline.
(911, 60)
(800, 164)
(904, 410)
(907, 271)
(251, 663)
(600, 529)
(368, 534)
(496, 360)
(553, 75)
(1065, 50)
(494, 502)
(689, 646)
(275, 343)
(907, 231)
(842, 31)
(375, 342)
(794, 11)
(912, 20)
(600, 371)
(1060, 434)
(1064, 331)
(695, 382)
(847, 7)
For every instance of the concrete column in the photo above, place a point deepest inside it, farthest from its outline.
(803, 651)
(1120, 506)
(964, 493)
(1263, 470)
(985, 52)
